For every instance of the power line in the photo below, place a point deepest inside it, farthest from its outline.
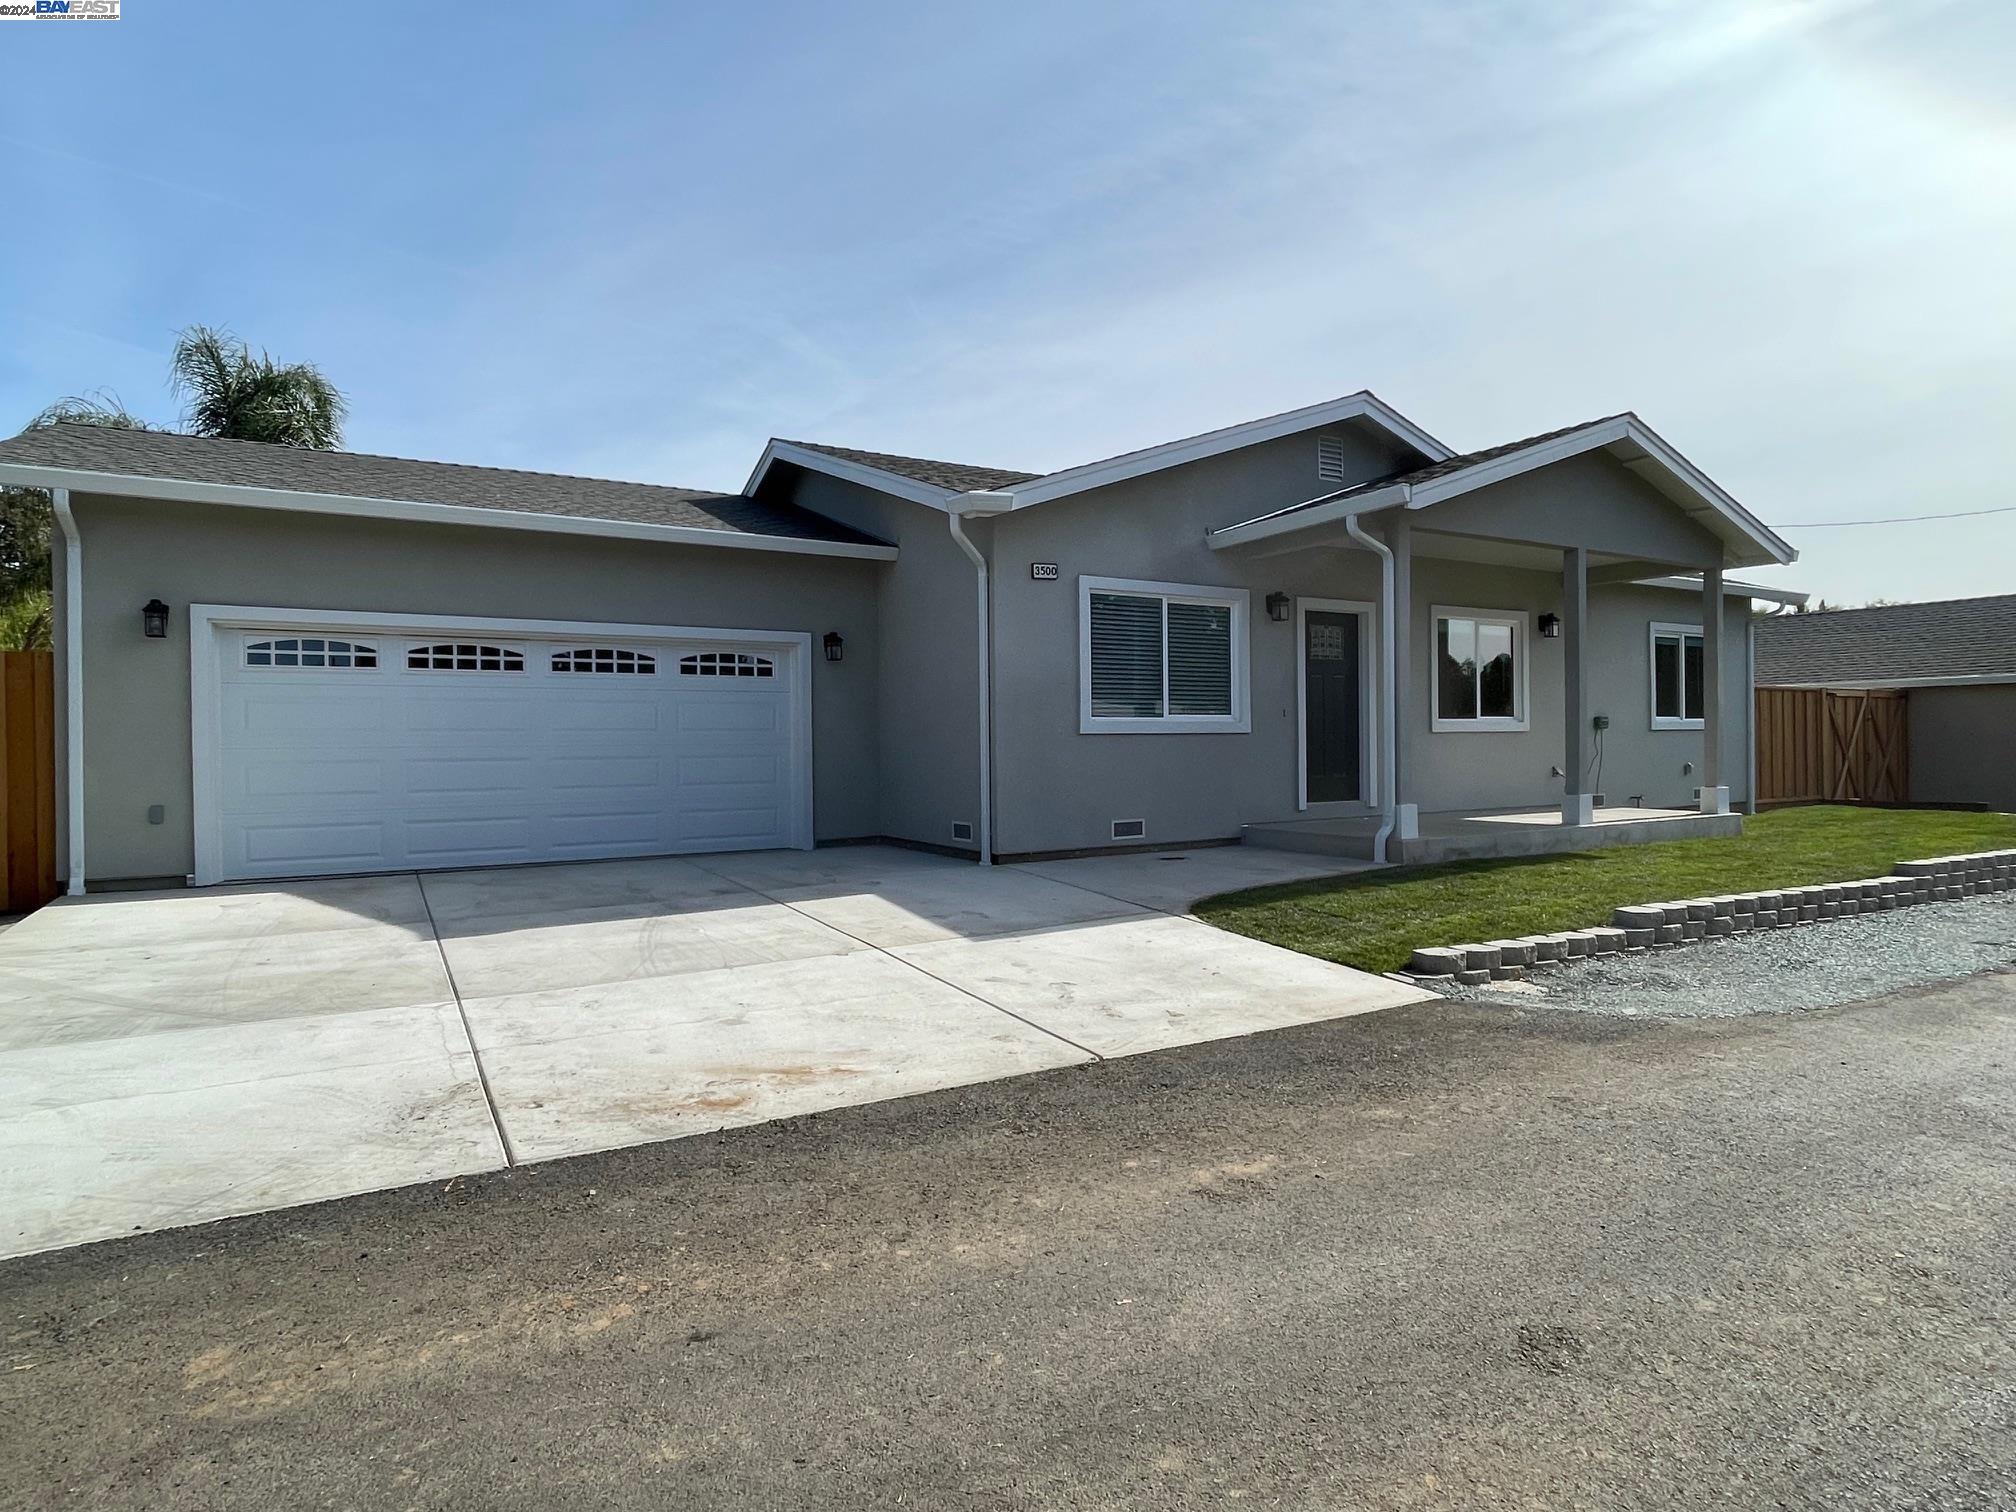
(1964, 514)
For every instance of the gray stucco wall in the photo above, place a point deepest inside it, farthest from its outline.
(926, 658)
(137, 736)
(1059, 789)
(1963, 745)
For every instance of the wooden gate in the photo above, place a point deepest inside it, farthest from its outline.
(1816, 745)
(27, 780)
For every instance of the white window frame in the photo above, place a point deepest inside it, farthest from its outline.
(1521, 625)
(1238, 600)
(1654, 631)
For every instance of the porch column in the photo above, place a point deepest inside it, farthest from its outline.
(1714, 797)
(1400, 540)
(1576, 804)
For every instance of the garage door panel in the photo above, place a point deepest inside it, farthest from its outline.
(433, 842)
(604, 773)
(387, 767)
(450, 776)
(459, 712)
(728, 714)
(298, 778)
(310, 847)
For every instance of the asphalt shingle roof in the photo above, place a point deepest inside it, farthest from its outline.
(253, 464)
(956, 476)
(1954, 638)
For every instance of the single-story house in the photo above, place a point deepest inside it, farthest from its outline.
(1324, 629)
(1955, 663)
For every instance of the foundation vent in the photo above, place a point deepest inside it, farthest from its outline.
(1129, 829)
(961, 830)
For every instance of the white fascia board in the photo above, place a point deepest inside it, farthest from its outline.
(1731, 588)
(1606, 433)
(122, 485)
(1977, 680)
(850, 471)
(1307, 518)
(1365, 406)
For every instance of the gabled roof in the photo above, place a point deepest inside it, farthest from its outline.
(938, 483)
(161, 464)
(1954, 641)
(1630, 440)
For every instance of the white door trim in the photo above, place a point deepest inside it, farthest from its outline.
(1368, 709)
(207, 621)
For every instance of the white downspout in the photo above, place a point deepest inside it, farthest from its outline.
(1388, 735)
(73, 684)
(986, 833)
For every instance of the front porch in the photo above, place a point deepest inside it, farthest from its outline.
(1552, 623)
(1477, 834)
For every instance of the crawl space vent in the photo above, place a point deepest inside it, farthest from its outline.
(961, 830)
(1129, 829)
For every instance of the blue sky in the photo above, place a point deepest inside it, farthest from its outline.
(637, 240)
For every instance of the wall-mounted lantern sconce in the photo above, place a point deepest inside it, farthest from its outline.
(1550, 627)
(833, 645)
(154, 620)
(1277, 607)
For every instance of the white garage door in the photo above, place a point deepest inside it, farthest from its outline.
(340, 750)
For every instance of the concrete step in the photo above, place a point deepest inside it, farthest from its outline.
(1309, 840)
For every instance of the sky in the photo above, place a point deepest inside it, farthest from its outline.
(637, 240)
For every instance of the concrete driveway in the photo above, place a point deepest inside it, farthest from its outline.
(171, 1058)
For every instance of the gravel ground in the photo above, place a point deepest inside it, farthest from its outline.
(1781, 970)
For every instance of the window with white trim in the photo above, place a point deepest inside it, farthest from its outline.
(310, 651)
(613, 659)
(462, 656)
(1679, 677)
(726, 664)
(1161, 657)
(1480, 670)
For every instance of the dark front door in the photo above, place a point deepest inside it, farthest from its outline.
(1330, 699)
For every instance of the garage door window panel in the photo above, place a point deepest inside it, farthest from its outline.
(311, 652)
(726, 664)
(464, 656)
(612, 660)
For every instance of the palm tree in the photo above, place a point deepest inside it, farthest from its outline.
(232, 393)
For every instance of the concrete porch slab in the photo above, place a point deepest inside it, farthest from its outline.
(1481, 834)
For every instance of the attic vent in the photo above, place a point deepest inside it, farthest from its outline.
(1129, 829)
(1330, 459)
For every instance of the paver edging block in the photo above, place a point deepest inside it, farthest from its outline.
(1660, 926)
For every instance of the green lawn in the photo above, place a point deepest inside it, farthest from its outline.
(1375, 919)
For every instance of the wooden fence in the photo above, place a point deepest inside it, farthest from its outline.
(1816, 745)
(27, 780)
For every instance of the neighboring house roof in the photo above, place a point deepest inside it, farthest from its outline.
(939, 483)
(1955, 641)
(1630, 440)
(161, 464)
(955, 477)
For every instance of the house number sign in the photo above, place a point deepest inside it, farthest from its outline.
(1043, 572)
